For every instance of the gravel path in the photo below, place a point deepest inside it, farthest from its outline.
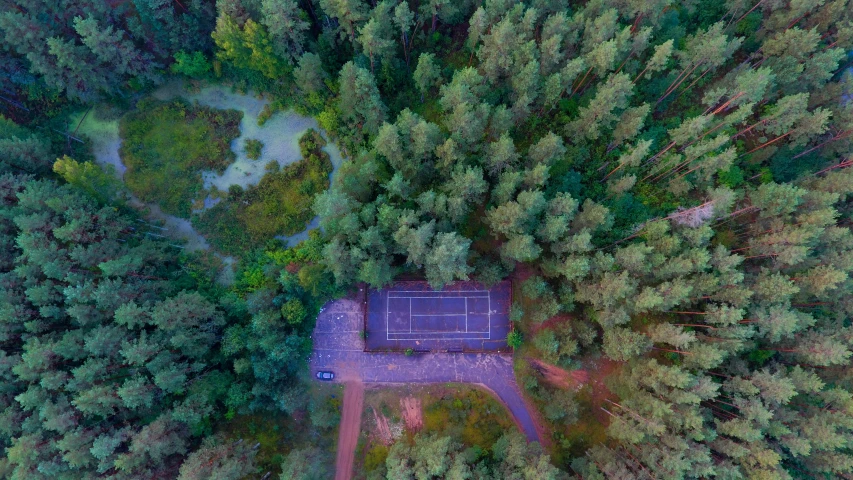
(338, 347)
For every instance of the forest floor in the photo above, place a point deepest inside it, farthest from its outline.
(349, 428)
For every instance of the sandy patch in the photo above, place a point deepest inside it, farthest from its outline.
(412, 413)
(383, 429)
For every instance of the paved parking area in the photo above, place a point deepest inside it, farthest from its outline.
(339, 347)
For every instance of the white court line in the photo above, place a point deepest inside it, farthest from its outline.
(442, 298)
(449, 291)
(337, 350)
(490, 315)
(442, 338)
(392, 335)
(436, 332)
(387, 325)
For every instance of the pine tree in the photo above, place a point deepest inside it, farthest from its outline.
(287, 26)
(426, 74)
(359, 99)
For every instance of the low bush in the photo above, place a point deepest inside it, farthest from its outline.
(279, 205)
(254, 148)
(166, 146)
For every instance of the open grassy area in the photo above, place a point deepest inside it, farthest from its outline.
(279, 205)
(466, 413)
(166, 146)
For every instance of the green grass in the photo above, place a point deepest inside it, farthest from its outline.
(279, 205)
(166, 146)
(467, 414)
(253, 148)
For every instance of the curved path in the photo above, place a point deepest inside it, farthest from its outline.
(338, 347)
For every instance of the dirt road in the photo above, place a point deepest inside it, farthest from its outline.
(349, 428)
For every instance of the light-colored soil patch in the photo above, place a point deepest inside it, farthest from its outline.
(599, 370)
(349, 429)
(383, 429)
(552, 374)
(412, 413)
(558, 377)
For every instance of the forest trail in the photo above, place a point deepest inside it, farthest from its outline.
(349, 428)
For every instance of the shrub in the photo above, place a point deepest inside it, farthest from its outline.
(191, 64)
(272, 167)
(514, 339)
(375, 457)
(266, 114)
(166, 146)
(281, 204)
(253, 148)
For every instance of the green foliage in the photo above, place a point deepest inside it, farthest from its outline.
(22, 150)
(248, 47)
(514, 339)
(308, 463)
(692, 218)
(279, 205)
(443, 457)
(732, 177)
(192, 64)
(166, 146)
(282, 289)
(253, 148)
(89, 178)
(125, 324)
(375, 457)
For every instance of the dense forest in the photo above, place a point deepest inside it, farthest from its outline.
(666, 183)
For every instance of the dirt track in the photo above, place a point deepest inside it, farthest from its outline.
(349, 428)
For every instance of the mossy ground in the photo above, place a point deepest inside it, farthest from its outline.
(166, 146)
(279, 205)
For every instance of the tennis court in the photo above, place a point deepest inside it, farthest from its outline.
(463, 316)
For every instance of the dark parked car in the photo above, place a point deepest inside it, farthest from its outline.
(325, 375)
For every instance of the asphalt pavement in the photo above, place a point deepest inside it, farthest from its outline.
(338, 347)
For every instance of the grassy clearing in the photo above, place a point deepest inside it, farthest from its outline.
(166, 146)
(465, 413)
(279, 205)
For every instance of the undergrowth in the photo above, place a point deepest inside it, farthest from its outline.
(279, 205)
(166, 146)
